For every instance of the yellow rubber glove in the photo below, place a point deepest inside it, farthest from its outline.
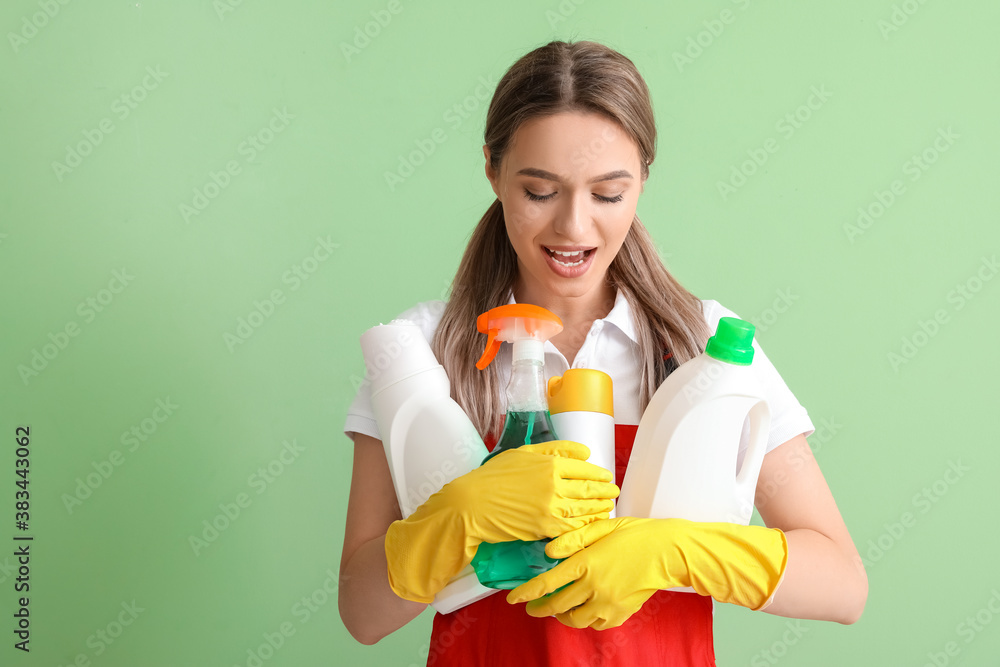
(529, 493)
(617, 564)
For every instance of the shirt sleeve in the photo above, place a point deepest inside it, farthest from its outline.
(788, 417)
(360, 417)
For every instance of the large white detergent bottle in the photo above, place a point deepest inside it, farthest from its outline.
(684, 458)
(428, 438)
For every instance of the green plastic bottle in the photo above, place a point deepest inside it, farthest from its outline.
(507, 565)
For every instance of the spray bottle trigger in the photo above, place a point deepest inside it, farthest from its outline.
(492, 347)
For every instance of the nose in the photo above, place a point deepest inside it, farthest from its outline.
(573, 217)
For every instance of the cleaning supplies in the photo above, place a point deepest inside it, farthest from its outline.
(532, 491)
(685, 454)
(429, 441)
(618, 564)
(506, 565)
(684, 458)
(581, 406)
(428, 438)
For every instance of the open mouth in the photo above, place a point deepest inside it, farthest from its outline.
(569, 259)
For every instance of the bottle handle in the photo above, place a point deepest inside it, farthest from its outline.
(746, 478)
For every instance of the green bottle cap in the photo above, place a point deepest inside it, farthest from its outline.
(732, 341)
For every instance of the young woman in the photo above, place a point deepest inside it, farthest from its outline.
(570, 135)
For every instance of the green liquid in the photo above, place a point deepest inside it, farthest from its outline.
(507, 565)
(524, 428)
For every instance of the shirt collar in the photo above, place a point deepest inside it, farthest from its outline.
(620, 315)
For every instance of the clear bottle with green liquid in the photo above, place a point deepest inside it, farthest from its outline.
(507, 565)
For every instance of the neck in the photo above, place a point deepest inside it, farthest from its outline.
(572, 310)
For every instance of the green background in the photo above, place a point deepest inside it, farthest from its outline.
(849, 302)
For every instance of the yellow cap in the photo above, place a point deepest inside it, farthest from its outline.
(581, 390)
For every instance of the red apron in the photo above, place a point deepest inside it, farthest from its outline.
(671, 629)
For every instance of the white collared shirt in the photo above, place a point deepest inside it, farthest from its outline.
(610, 346)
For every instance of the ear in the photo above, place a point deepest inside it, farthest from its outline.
(490, 175)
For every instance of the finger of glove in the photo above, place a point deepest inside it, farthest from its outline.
(565, 448)
(561, 602)
(623, 609)
(563, 526)
(584, 616)
(584, 508)
(563, 573)
(530, 528)
(578, 618)
(598, 619)
(574, 469)
(587, 489)
(569, 543)
(606, 623)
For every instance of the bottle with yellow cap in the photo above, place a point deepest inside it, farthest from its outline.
(506, 565)
(581, 406)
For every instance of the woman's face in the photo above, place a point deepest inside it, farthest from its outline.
(568, 184)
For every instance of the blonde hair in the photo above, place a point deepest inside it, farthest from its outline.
(564, 77)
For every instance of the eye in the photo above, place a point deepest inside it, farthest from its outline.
(533, 197)
(611, 200)
(607, 200)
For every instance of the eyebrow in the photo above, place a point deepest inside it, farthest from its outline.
(548, 175)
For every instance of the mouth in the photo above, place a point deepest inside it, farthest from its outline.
(569, 258)
(569, 261)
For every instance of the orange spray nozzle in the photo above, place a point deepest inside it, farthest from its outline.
(513, 322)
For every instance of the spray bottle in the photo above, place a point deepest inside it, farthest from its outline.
(428, 438)
(506, 565)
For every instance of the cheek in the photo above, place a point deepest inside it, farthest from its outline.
(616, 232)
(523, 223)
(528, 215)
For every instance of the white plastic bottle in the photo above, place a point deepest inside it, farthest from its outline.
(581, 405)
(428, 438)
(684, 458)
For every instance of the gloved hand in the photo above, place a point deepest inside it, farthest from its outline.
(528, 493)
(617, 564)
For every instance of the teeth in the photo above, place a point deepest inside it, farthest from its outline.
(582, 254)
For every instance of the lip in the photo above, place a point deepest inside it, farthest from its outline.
(565, 271)
(569, 248)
